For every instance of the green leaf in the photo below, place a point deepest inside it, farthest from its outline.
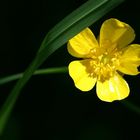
(84, 16)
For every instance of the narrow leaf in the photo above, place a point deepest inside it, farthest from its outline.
(84, 16)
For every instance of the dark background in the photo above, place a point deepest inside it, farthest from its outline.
(50, 107)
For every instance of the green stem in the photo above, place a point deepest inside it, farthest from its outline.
(9, 103)
(37, 72)
(131, 106)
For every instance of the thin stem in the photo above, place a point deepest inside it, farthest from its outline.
(17, 76)
(131, 106)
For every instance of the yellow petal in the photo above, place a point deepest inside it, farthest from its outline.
(116, 88)
(130, 60)
(116, 32)
(81, 44)
(80, 75)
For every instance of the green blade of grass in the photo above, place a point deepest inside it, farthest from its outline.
(54, 70)
(84, 16)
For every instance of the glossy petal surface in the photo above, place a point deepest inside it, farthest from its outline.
(116, 32)
(116, 88)
(130, 60)
(78, 72)
(81, 44)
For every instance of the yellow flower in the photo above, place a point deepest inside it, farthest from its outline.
(103, 60)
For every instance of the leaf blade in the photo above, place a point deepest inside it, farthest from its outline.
(52, 42)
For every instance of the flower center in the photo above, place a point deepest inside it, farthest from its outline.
(103, 63)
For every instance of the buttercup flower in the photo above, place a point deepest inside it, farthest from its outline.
(104, 61)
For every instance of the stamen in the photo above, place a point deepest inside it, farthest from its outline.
(103, 66)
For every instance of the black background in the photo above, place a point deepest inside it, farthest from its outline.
(50, 107)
